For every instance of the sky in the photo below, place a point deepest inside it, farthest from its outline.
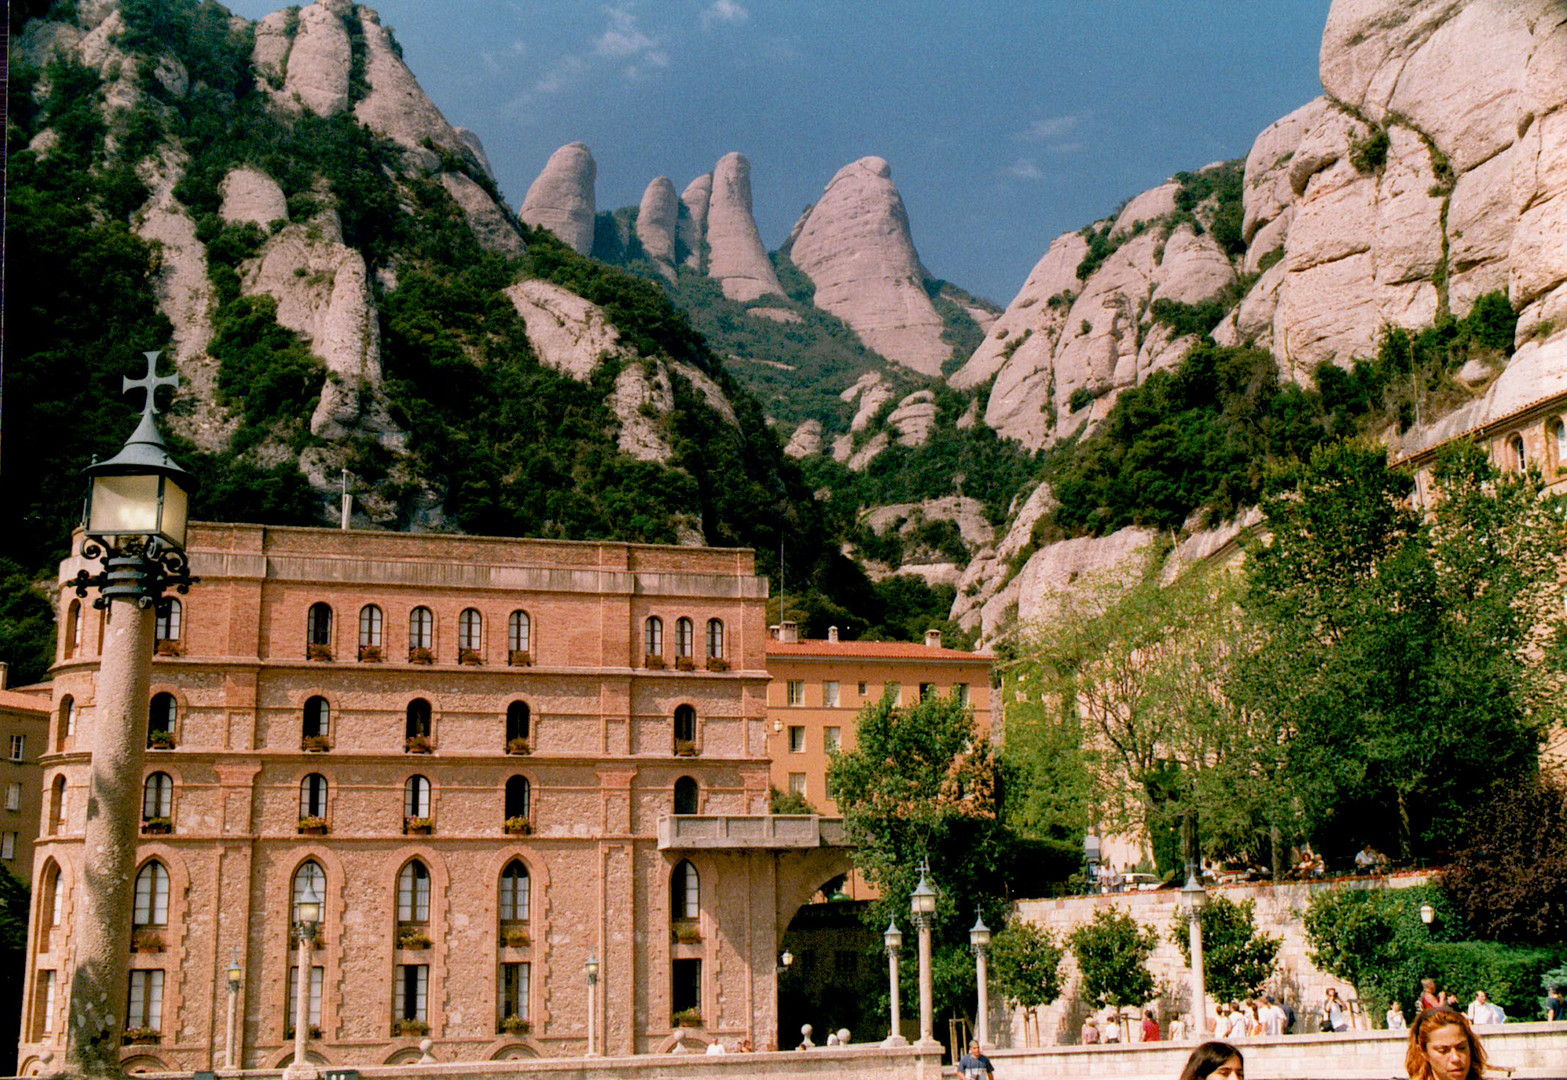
(1006, 123)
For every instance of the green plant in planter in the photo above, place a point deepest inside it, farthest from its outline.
(416, 825)
(515, 1025)
(142, 1035)
(516, 937)
(160, 740)
(418, 744)
(420, 656)
(412, 937)
(157, 825)
(410, 1027)
(312, 824)
(688, 1018)
(519, 745)
(519, 826)
(315, 743)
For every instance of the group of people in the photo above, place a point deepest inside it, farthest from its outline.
(1249, 1019)
(1442, 1046)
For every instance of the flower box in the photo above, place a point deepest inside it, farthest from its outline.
(653, 661)
(685, 748)
(169, 648)
(418, 744)
(160, 740)
(687, 1018)
(685, 663)
(519, 826)
(318, 652)
(687, 931)
(420, 655)
(370, 654)
(515, 937)
(315, 744)
(514, 1025)
(410, 1027)
(412, 937)
(157, 826)
(469, 656)
(417, 826)
(312, 826)
(315, 1031)
(139, 1036)
(519, 746)
(717, 663)
(519, 657)
(146, 941)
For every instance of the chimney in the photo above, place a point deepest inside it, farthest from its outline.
(5, 675)
(789, 632)
(933, 639)
(832, 633)
(772, 631)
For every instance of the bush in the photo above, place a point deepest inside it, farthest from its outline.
(1237, 957)
(788, 802)
(1368, 153)
(1112, 954)
(1509, 878)
(1510, 975)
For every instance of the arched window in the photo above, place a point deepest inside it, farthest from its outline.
(51, 904)
(66, 726)
(1517, 461)
(151, 907)
(157, 797)
(418, 722)
(370, 627)
(167, 625)
(421, 629)
(57, 806)
(517, 721)
(715, 639)
(162, 713)
(519, 632)
(73, 629)
(312, 796)
(683, 637)
(685, 891)
(686, 793)
(470, 630)
(653, 635)
(516, 892)
(309, 881)
(685, 723)
(519, 798)
(416, 799)
(318, 718)
(413, 893)
(318, 624)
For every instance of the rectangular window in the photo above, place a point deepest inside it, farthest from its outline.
(796, 740)
(18, 747)
(516, 981)
(317, 977)
(797, 784)
(13, 795)
(411, 992)
(832, 739)
(796, 692)
(43, 1013)
(687, 986)
(960, 693)
(830, 694)
(862, 690)
(8, 846)
(146, 1000)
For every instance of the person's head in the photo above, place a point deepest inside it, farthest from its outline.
(1217, 1059)
(1396, 1008)
(1148, 1014)
(1428, 985)
(1480, 997)
(1332, 993)
(973, 1047)
(1269, 999)
(1442, 1046)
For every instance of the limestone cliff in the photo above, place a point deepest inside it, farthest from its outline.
(736, 258)
(562, 198)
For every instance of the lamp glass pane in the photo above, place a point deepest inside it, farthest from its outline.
(176, 502)
(124, 504)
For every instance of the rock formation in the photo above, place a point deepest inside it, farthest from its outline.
(737, 260)
(855, 246)
(562, 200)
(657, 219)
(251, 195)
(319, 61)
(568, 333)
(396, 106)
(692, 231)
(490, 224)
(914, 418)
(806, 440)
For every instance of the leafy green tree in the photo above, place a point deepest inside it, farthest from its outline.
(1237, 957)
(788, 802)
(1112, 955)
(1025, 965)
(1375, 940)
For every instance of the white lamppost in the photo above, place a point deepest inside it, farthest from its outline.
(922, 902)
(893, 939)
(1193, 900)
(236, 978)
(979, 941)
(1427, 914)
(307, 917)
(591, 969)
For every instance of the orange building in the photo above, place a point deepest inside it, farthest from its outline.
(24, 732)
(492, 758)
(818, 688)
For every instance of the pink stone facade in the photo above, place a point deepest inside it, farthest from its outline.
(413, 841)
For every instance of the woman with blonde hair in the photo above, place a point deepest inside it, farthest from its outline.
(1442, 1046)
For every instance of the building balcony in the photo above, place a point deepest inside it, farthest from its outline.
(688, 832)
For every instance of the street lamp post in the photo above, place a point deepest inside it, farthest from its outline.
(307, 917)
(922, 902)
(134, 525)
(1193, 900)
(1427, 914)
(236, 978)
(979, 941)
(591, 969)
(893, 939)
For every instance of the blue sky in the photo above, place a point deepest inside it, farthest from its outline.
(1006, 123)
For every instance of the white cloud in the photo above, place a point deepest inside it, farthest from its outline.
(1048, 128)
(1023, 169)
(724, 11)
(563, 74)
(623, 44)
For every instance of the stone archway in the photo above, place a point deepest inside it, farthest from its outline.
(828, 983)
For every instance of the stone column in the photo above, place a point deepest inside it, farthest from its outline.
(99, 979)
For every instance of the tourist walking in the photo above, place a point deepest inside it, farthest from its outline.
(1442, 1046)
(1150, 1027)
(1217, 1059)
